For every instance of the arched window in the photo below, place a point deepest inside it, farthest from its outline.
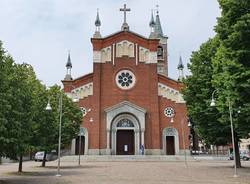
(125, 123)
(159, 52)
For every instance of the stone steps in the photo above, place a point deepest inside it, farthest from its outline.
(121, 158)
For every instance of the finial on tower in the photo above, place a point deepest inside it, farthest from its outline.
(68, 67)
(180, 68)
(125, 26)
(98, 25)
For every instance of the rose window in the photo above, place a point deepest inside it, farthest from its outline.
(169, 112)
(125, 79)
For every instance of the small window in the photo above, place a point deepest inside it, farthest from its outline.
(160, 52)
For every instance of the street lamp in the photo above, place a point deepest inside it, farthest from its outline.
(212, 104)
(48, 108)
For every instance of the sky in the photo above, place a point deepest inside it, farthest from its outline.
(41, 32)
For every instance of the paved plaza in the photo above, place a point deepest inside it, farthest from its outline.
(126, 172)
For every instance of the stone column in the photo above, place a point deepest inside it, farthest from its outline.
(73, 146)
(108, 143)
(108, 139)
(142, 138)
(137, 141)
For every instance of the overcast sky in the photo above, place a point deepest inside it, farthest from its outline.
(40, 32)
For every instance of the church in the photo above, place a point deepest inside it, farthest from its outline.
(129, 104)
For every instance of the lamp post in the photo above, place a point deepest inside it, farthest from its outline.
(48, 108)
(212, 104)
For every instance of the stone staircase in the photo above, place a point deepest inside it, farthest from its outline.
(122, 158)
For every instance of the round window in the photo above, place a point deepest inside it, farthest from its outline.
(125, 79)
(169, 112)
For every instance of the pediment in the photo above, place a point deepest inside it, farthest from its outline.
(99, 43)
(125, 105)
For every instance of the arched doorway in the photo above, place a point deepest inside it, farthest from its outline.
(125, 135)
(125, 141)
(170, 140)
(125, 110)
(76, 146)
(80, 145)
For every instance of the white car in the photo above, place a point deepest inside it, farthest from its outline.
(39, 156)
(49, 156)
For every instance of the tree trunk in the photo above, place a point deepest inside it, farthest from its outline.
(44, 159)
(237, 153)
(20, 167)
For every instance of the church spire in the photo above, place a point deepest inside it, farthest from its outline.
(180, 68)
(158, 29)
(152, 26)
(68, 67)
(98, 25)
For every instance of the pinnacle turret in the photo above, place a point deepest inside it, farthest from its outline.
(180, 68)
(98, 25)
(68, 67)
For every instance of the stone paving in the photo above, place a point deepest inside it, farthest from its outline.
(122, 172)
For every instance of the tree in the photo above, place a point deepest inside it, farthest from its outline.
(25, 125)
(197, 94)
(47, 126)
(231, 66)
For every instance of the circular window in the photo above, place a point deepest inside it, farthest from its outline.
(125, 79)
(169, 112)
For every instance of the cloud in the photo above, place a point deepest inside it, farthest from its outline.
(41, 32)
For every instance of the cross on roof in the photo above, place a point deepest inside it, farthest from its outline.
(125, 10)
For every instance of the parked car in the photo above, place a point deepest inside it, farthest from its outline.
(244, 155)
(49, 156)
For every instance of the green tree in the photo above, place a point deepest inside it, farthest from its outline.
(47, 122)
(25, 125)
(197, 94)
(231, 75)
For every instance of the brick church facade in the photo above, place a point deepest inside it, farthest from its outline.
(130, 106)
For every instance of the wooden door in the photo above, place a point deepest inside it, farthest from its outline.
(170, 147)
(82, 145)
(125, 142)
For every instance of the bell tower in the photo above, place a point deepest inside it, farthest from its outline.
(162, 52)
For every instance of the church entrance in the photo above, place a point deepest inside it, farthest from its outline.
(170, 145)
(78, 147)
(125, 142)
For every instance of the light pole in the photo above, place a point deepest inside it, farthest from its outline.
(48, 108)
(232, 130)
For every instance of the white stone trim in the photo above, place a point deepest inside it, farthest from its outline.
(113, 54)
(170, 93)
(73, 147)
(97, 56)
(136, 54)
(143, 54)
(82, 91)
(125, 48)
(170, 131)
(106, 54)
(152, 57)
